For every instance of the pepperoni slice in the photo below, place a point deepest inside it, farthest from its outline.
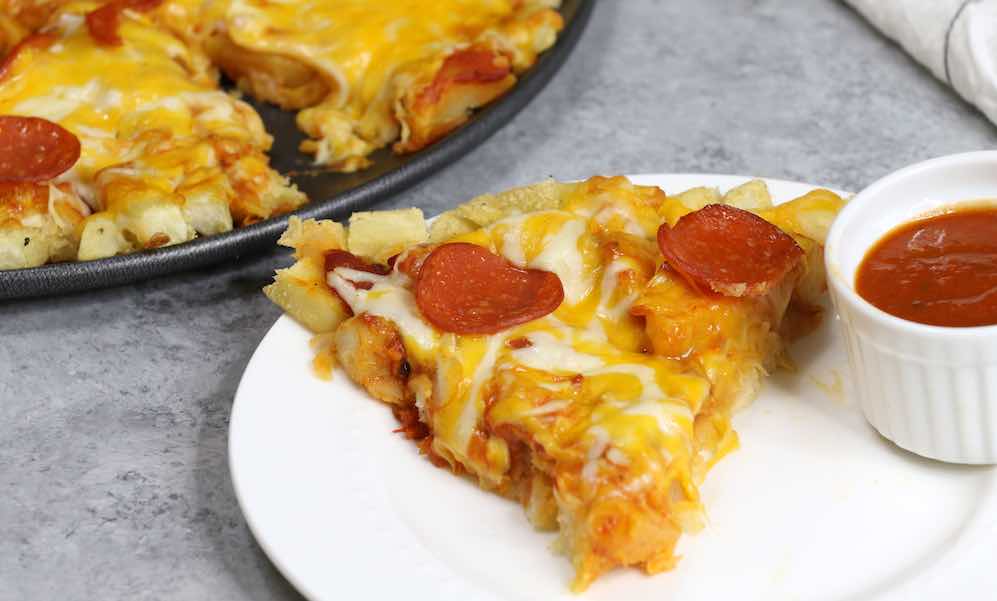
(466, 289)
(34, 149)
(103, 22)
(342, 258)
(729, 251)
(38, 40)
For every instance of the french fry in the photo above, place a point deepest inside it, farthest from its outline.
(101, 238)
(750, 196)
(301, 291)
(486, 209)
(377, 235)
(809, 215)
(206, 204)
(310, 238)
(697, 198)
(22, 247)
(448, 225)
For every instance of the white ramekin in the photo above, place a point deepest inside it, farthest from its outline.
(932, 390)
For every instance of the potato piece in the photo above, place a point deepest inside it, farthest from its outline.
(449, 225)
(38, 224)
(809, 215)
(750, 196)
(101, 238)
(334, 141)
(148, 214)
(310, 237)
(378, 235)
(371, 352)
(153, 221)
(300, 290)
(261, 192)
(206, 215)
(541, 196)
(697, 198)
(66, 212)
(531, 33)
(206, 205)
(486, 209)
(683, 203)
(22, 247)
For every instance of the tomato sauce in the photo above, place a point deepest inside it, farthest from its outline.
(939, 271)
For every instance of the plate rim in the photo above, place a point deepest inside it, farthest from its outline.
(287, 571)
(62, 278)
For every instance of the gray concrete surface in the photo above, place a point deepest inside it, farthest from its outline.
(114, 404)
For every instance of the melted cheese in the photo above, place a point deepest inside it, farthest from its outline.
(364, 72)
(472, 403)
(636, 406)
(359, 49)
(547, 353)
(389, 297)
(165, 154)
(111, 96)
(572, 413)
(603, 416)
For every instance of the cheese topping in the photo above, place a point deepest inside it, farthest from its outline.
(603, 416)
(165, 154)
(366, 73)
(389, 297)
(356, 47)
(110, 96)
(615, 402)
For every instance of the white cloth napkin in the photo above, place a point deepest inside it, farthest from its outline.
(955, 39)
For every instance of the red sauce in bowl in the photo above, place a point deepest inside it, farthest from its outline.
(939, 271)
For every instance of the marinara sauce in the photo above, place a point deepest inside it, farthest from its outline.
(940, 271)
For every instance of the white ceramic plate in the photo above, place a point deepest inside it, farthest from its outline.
(814, 506)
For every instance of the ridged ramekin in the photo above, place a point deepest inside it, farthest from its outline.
(932, 390)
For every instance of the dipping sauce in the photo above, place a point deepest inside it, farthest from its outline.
(939, 271)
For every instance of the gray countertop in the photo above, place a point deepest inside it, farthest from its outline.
(114, 405)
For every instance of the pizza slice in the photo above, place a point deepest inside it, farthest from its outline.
(583, 356)
(368, 74)
(164, 154)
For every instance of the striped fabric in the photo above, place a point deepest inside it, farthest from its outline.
(955, 39)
